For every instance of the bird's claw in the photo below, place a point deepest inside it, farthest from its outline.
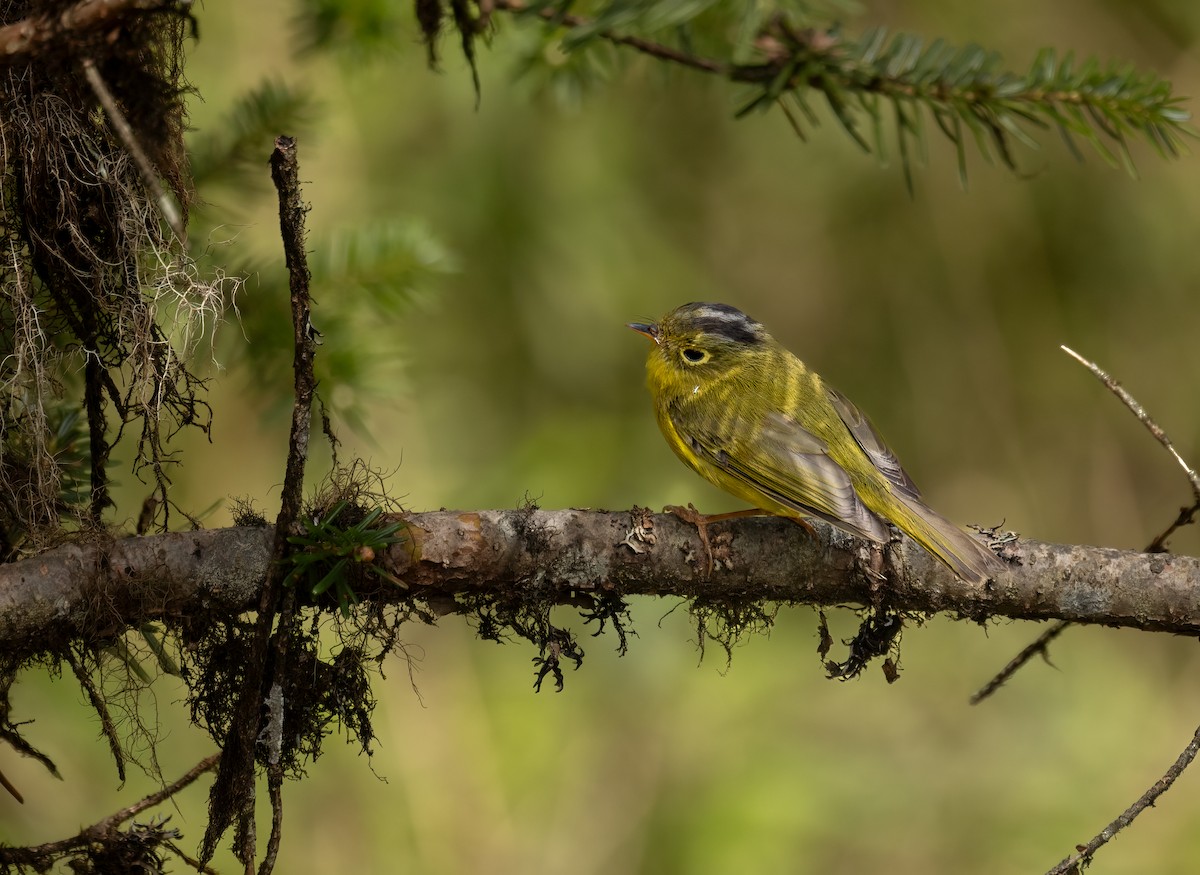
(690, 515)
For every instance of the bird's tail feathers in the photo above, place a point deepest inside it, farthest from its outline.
(965, 556)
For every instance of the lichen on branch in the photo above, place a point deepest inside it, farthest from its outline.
(559, 553)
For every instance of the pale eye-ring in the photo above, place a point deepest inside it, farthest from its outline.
(694, 356)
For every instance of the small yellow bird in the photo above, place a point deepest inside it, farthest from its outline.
(753, 419)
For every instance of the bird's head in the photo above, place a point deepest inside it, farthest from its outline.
(697, 343)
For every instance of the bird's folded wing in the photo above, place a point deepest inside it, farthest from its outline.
(791, 466)
(872, 444)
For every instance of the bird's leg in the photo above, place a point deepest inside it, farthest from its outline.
(875, 575)
(702, 521)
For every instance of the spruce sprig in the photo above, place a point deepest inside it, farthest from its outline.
(965, 91)
(884, 89)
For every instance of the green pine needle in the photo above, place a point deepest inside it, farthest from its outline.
(231, 153)
(1106, 106)
(775, 49)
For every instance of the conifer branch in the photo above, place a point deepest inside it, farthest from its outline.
(880, 81)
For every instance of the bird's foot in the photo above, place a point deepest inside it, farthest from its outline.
(692, 516)
(702, 521)
(874, 572)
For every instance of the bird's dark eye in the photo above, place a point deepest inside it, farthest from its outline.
(695, 356)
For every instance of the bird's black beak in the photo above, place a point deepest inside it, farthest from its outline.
(648, 329)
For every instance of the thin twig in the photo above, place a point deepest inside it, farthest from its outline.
(1038, 646)
(275, 792)
(8, 785)
(158, 796)
(292, 209)
(1186, 516)
(645, 46)
(1140, 412)
(107, 728)
(1076, 862)
(285, 173)
(232, 797)
(187, 858)
(103, 829)
(124, 131)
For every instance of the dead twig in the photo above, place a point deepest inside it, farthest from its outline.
(645, 46)
(42, 856)
(107, 727)
(1186, 516)
(124, 131)
(1140, 412)
(233, 793)
(1038, 646)
(157, 797)
(1076, 862)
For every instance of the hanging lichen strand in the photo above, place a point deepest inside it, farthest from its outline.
(98, 302)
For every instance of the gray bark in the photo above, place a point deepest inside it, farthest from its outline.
(98, 589)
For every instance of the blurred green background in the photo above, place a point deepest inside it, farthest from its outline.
(560, 218)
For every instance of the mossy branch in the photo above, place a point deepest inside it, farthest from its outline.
(30, 36)
(96, 590)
